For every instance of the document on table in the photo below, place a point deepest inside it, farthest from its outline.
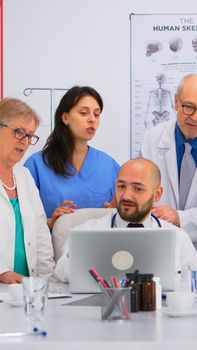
(57, 290)
(67, 297)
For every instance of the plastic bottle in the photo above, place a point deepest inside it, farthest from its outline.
(158, 292)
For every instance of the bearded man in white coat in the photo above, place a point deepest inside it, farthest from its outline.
(137, 188)
(165, 145)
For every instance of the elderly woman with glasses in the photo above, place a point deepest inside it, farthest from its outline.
(25, 240)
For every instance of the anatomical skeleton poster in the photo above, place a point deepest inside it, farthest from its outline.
(163, 50)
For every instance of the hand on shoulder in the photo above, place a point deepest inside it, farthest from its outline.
(164, 212)
(66, 207)
(110, 205)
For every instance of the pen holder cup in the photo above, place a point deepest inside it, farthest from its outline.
(115, 304)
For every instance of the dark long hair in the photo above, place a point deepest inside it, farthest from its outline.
(59, 146)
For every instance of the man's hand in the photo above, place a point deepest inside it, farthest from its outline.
(166, 213)
(66, 207)
(10, 277)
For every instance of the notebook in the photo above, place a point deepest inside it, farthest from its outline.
(114, 252)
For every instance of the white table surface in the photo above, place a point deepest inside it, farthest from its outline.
(77, 327)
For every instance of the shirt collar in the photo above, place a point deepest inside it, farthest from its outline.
(120, 223)
(180, 139)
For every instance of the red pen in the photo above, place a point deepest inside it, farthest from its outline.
(98, 278)
(115, 282)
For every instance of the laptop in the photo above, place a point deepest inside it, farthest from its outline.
(116, 251)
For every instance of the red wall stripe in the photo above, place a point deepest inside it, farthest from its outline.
(1, 48)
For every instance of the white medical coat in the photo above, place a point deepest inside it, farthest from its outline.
(159, 146)
(37, 237)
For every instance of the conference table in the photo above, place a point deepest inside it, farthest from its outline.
(74, 323)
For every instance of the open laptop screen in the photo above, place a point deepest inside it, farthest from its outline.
(114, 251)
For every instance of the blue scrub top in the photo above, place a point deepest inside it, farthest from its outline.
(90, 188)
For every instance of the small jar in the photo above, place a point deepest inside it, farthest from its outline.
(147, 292)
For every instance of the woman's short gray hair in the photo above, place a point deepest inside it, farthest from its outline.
(13, 107)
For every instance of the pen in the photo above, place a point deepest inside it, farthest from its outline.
(98, 278)
(60, 297)
(123, 282)
(115, 282)
(107, 283)
(193, 281)
(102, 284)
(131, 278)
(35, 331)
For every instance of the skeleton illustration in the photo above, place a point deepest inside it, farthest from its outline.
(153, 47)
(160, 106)
(175, 44)
(194, 44)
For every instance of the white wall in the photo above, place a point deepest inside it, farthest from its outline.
(60, 43)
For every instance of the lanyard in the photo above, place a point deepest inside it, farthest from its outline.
(153, 216)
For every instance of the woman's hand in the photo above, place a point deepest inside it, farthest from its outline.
(166, 213)
(66, 207)
(110, 205)
(10, 277)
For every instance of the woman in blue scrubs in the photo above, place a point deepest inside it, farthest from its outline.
(68, 172)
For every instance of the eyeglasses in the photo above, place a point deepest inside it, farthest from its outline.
(188, 109)
(21, 134)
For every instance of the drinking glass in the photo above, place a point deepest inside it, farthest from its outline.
(35, 291)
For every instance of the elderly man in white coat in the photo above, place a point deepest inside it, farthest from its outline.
(165, 144)
(137, 187)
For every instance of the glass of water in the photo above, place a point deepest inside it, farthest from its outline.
(35, 291)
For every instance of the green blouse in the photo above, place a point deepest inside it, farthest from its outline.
(20, 260)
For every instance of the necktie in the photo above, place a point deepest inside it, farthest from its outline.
(188, 168)
(132, 224)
